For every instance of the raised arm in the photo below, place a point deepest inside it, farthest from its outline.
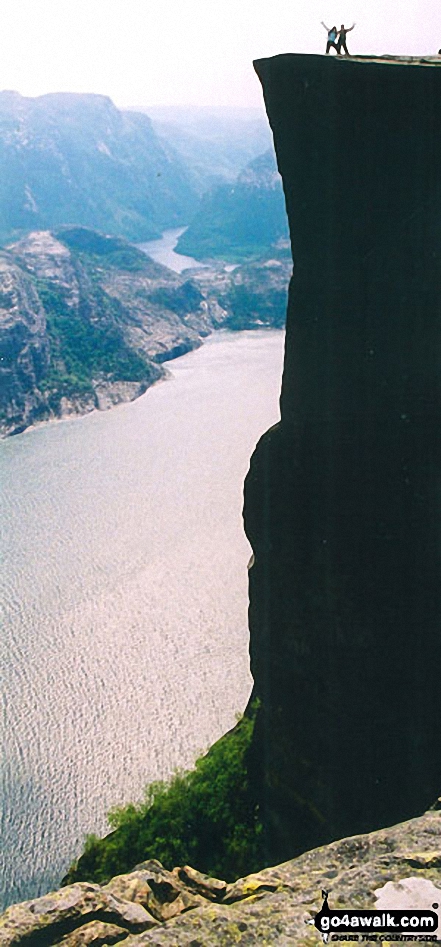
(350, 28)
(326, 27)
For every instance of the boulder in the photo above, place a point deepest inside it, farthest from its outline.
(47, 920)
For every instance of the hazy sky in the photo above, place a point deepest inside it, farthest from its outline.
(197, 52)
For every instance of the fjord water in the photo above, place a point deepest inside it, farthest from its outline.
(124, 584)
(163, 251)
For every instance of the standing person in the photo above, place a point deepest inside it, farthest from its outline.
(332, 36)
(342, 38)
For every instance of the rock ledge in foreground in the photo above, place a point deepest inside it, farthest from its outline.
(184, 908)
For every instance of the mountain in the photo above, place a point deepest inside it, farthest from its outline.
(76, 159)
(86, 320)
(240, 221)
(254, 294)
(214, 142)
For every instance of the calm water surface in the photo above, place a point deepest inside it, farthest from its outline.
(163, 251)
(124, 588)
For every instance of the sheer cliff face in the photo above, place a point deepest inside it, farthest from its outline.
(343, 497)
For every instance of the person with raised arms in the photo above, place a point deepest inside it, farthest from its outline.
(342, 39)
(332, 36)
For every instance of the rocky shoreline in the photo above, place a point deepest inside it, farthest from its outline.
(108, 395)
(87, 320)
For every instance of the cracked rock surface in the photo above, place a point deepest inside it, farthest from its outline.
(184, 908)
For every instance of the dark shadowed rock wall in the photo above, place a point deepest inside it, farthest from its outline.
(343, 499)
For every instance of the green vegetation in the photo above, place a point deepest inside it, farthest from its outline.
(97, 248)
(239, 222)
(84, 349)
(185, 298)
(205, 817)
(251, 304)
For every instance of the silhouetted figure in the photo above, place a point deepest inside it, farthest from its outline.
(342, 39)
(332, 36)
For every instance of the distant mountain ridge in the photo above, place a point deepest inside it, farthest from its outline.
(68, 158)
(214, 142)
(240, 221)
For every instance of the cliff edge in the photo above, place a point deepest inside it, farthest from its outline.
(153, 907)
(342, 498)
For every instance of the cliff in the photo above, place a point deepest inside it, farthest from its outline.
(342, 509)
(341, 504)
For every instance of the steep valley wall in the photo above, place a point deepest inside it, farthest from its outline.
(342, 507)
(343, 497)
